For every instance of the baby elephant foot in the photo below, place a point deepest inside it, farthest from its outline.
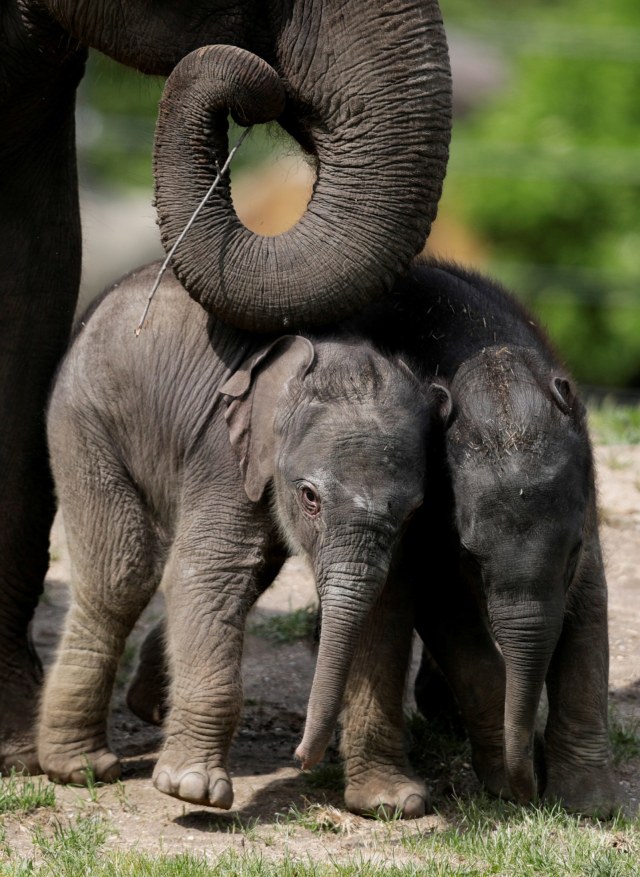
(147, 699)
(147, 696)
(587, 790)
(81, 770)
(387, 795)
(19, 753)
(193, 782)
(488, 764)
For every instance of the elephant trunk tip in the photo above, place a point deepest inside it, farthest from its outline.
(312, 749)
(308, 757)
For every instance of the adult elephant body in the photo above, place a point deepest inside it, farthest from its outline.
(366, 91)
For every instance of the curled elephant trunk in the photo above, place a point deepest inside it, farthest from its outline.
(381, 149)
(527, 633)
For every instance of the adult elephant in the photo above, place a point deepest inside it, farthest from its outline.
(364, 87)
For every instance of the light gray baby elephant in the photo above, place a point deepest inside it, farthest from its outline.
(200, 455)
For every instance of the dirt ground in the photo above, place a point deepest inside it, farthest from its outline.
(277, 680)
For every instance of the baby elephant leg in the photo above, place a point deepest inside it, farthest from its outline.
(209, 592)
(577, 750)
(113, 556)
(379, 779)
(453, 630)
(148, 693)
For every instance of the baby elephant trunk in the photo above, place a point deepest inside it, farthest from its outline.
(527, 633)
(347, 597)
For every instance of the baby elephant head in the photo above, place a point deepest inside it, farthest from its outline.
(340, 431)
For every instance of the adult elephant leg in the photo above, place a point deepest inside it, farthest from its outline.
(577, 751)
(39, 278)
(379, 778)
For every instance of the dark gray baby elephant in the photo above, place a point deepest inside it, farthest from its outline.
(198, 455)
(511, 534)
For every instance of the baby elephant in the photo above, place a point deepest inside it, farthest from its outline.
(199, 455)
(515, 598)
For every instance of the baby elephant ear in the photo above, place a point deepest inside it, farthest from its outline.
(252, 394)
(442, 403)
(565, 397)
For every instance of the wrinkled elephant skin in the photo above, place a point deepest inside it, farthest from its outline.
(201, 455)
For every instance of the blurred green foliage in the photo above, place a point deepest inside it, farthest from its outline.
(615, 424)
(117, 110)
(548, 173)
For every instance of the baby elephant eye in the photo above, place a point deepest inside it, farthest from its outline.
(309, 499)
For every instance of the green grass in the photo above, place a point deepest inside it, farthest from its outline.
(493, 837)
(433, 745)
(481, 837)
(289, 628)
(615, 424)
(624, 735)
(20, 794)
(319, 819)
(72, 850)
(326, 777)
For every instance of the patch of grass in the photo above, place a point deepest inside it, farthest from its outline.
(624, 735)
(71, 849)
(483, 837)
(23, 794)
(495, 837)
(91, 784)
(434, 745)
(290, 628)
(615, 424)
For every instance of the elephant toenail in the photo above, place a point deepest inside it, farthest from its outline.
(193, 787)
(414, 807)
(107, 768)
(162, 782)
(222, 794)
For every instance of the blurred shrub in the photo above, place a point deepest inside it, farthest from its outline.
(549, 174)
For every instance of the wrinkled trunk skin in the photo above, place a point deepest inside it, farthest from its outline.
(368, 93)
(527, 631)
(347, 594)
(380, 138)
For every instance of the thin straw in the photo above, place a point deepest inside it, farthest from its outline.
(181, 236)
